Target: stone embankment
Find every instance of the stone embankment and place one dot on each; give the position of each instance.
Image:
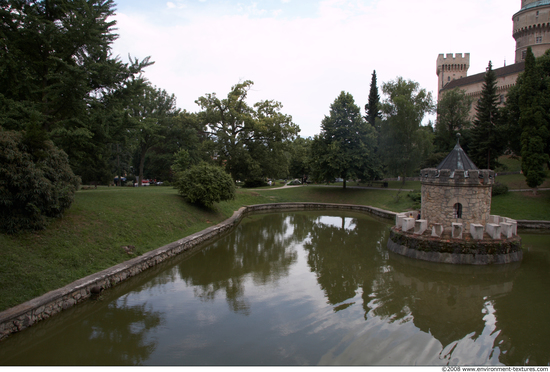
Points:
(25, 315)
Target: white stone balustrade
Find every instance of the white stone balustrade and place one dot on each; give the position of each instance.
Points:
(476, 230)
(493, 230)
(420, 226)
(506, 229)
(399, 219)
(457, 230)
(494, 219)
(514, 224)
(437, 230)
(408, 224)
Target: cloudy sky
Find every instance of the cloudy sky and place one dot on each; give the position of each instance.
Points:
(303, 53)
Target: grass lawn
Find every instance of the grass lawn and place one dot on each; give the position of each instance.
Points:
(90, 237)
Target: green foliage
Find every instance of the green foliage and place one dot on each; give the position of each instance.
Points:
(250, 141)
(58, 71)
(300, 150)
(534, 120)
(487, 141)
(205, 185)
(499, 189)
(36, 181)
(255, 182)
(404, 142)
(453, 116)
(345, 147)
(372, 108)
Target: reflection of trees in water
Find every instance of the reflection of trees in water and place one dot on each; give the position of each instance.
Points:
(112, 334)
(522, 315)
(343, 258)
(260, 248)
(450, 302)
(118, 337)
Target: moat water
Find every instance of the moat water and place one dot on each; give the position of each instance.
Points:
(306, 288)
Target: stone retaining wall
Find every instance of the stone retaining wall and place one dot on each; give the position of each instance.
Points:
(539, 225)
(455, 251)
(25, 315)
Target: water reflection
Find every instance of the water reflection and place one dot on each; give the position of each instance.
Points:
(264, 252)
(306, 288)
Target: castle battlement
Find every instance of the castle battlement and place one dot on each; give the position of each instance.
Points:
(446, 177)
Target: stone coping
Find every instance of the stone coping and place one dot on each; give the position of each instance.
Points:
(26, 314)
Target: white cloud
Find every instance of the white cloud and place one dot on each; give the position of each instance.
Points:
(305, 62)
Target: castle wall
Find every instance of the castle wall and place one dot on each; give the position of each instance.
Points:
(442, 190)
(531, 27)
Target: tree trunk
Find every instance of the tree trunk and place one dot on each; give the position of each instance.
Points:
(344, 182)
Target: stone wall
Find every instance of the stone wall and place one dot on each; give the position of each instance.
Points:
(25, 315)
(454, 251)
(441, 190)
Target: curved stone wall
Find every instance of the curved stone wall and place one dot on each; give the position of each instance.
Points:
(452, 251)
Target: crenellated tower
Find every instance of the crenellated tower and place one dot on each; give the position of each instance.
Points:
(451, 67)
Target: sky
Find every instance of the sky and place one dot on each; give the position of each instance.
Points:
(303, 53)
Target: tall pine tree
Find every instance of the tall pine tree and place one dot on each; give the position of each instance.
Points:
(372, 108)
(533, 120)
(487, 143)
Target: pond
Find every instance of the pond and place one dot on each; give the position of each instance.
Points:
(306, 288)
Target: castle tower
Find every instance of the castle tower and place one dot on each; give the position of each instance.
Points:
(457, 191)
(532, 28)
(451, 67)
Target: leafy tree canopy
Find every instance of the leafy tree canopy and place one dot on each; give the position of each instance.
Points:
(405, 143)
(250, 141)
(345, 146)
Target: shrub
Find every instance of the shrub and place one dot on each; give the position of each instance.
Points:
(205, 184)
(255, 182)
(416, 196)
(36, 182)
(295, 182)
(499, 189)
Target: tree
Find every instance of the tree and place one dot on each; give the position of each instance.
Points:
(372, 108)
(404, 141)
(148, 115)
(250, 141)
(181, 133)
(345, 146)
(299, 157)
(453, 116)
(58, 72)
(36, 181)
(487, 142)
(206, 184)
(534, 121)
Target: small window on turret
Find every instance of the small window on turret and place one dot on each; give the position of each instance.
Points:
(457, 210)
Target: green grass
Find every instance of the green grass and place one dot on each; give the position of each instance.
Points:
(90, 236)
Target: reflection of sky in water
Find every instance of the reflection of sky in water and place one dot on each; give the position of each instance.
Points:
(337, 222)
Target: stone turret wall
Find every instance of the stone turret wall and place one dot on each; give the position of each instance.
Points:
(442, 190)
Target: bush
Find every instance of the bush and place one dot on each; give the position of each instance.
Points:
(499, 189)
(295, 182)
(36, 182)
(416, 196)
(255, 182)
(205, 184)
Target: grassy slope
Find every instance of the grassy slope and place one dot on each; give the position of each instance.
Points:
(90, 236)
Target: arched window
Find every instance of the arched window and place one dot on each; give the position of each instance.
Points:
(457, 210)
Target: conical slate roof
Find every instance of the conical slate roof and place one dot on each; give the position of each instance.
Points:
(457, 159)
